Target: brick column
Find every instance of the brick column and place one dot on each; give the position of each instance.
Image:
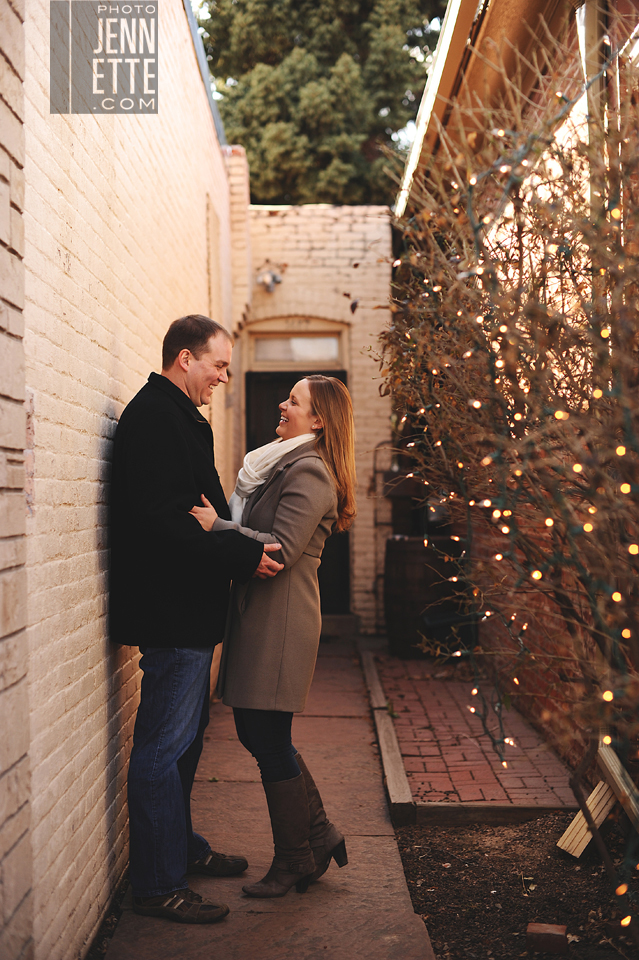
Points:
(15, 843)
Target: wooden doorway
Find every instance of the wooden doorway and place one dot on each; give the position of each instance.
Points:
(264, 392)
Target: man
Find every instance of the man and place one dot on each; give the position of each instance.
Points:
(169, 586)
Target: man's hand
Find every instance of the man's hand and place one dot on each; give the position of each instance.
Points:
(268, 567)
(206, 515)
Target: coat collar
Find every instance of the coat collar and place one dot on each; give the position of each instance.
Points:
(177, 395)
(299, 453)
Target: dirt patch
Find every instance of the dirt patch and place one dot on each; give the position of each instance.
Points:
(477, 887)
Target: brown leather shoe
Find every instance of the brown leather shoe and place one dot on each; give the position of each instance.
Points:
(183, 906)
(218, 865)
(327, 843)
(293, 864)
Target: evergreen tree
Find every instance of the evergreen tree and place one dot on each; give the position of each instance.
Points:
(314, 88)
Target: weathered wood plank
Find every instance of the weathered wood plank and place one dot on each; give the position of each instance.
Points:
(577, 836)
(375, 690)
(619, 779)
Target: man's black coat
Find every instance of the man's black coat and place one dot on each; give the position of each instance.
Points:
(169, 579)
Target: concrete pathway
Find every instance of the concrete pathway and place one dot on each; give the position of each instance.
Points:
(448, 757)
(362, 911)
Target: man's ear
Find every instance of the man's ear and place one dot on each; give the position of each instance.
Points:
(184, 359)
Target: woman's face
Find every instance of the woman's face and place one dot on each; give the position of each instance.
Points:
(296, 414)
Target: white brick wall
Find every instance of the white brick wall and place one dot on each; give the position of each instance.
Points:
(331, 257)
(15, 841)
(118, 237)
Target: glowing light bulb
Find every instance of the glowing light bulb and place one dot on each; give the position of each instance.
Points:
(476, 404)
(549, 522)
(508, 513)
(615, 213)
(597, 393)
(504, 764)
(626, 921)
(625, 488)
(605, 333)
(518, 416)
(499, 556)
(588, 528)
(486, 461)
(505, 530)
(496, 514)
(616, 596)
(536, 574)
(621, 889)
(471, 710)
(620, 451)
(473, 181)
(474, 692)
(608, 696)
(626, 634)
(518, 473)
(515, 680)
(607, 739)
(577, 467)
(592, 509)
(633, 548)
(397, 263)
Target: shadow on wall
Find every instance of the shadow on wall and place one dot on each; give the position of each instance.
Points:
(122, 681)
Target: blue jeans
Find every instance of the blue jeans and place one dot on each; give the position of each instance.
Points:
(267, 735)
(167, 743)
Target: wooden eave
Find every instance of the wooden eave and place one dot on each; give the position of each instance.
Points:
(466, 61)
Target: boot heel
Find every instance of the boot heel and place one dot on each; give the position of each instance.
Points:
(339, 854)
(302, 885)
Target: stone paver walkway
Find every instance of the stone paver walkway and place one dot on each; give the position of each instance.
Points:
(447, 755)
(362, 911)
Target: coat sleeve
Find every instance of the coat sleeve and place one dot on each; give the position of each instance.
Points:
(307, 495)
(221, 525)
(159, 482)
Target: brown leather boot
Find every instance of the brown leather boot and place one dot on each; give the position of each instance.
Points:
(293, 863)
(326, 841)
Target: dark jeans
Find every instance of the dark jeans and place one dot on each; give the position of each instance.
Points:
(167, 743)
(267, 735)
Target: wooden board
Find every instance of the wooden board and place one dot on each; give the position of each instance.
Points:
(376, 693)
(619, 779)
(577, 837)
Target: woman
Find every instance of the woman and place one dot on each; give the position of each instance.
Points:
(299, 489)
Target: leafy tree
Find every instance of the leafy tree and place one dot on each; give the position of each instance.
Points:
(313, 89)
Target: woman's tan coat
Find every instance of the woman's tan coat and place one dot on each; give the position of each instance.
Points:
(274, 625)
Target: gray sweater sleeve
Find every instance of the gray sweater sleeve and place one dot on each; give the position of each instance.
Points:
(221, 525)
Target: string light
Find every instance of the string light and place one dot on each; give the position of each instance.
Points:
(496, 514)
(397, 263)
(577, 467)
(518, 473)
(549, 522)
(592, 510)
(561, 415)
(536, 575)
(626, 634)
(474, 692)
(608, 696)
(515, 680)
(486, 461)
(626, 921)
(633, 548)
(605, 333)
(504, 764)
(616, 596)
(476, 404)
(518, 416)
(508, 513)
(471, 709)
(620, 451)
(625, 488)
(597, 393)
(588, 528)
(505, 529)
(499, 556)
(473, 181)
(607, 739)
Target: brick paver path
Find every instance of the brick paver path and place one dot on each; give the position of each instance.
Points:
(448, 756)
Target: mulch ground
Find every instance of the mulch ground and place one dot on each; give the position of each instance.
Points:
(477, 887)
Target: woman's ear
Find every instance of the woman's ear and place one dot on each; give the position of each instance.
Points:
(318, 425)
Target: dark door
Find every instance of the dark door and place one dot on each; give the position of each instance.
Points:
(264, 393)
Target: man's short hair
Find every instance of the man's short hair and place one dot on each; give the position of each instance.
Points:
(190, 333)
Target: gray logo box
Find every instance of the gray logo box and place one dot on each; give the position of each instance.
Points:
(104, 57)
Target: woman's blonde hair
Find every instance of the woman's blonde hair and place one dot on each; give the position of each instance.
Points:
(331, 402)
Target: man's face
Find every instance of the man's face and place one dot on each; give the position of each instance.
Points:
(201, 376)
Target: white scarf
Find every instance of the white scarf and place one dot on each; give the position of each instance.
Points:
(257, 466)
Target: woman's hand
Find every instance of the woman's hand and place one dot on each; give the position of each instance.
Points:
(206, 515)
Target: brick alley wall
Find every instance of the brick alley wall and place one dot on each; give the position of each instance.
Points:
(127, 228)
(332, 259)
(15, 840)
